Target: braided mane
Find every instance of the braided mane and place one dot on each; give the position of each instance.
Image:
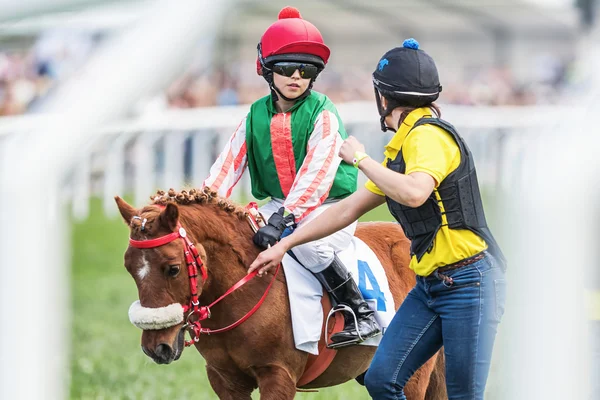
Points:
(204, 196)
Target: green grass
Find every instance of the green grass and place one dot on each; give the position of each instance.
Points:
(380, 213)
(106, 359)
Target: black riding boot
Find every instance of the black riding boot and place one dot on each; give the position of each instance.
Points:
(339, 283)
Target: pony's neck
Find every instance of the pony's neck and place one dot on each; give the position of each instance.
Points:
(227, 240)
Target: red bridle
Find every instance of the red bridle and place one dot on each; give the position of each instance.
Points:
(193, 261)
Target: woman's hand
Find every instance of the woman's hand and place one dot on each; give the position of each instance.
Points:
(349, 147)
(268, 259)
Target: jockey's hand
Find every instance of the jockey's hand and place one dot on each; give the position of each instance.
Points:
(349, 147)
(268, 259)
(270, 234)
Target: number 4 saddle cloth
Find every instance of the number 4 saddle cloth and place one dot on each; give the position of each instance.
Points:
(305, 293)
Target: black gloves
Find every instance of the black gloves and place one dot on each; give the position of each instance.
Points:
(271, 233)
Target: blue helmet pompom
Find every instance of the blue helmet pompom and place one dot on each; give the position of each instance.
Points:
(411, 44)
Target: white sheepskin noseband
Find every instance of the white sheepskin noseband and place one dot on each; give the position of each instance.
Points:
(147, 318)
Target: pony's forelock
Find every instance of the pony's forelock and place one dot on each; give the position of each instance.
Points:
(198, 196)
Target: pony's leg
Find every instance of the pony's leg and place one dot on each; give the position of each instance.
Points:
(274, 383)
(416, 387)
(230, 385)
(436, 390)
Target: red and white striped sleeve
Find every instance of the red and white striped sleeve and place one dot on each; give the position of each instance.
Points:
(315, 178)
(230, 165)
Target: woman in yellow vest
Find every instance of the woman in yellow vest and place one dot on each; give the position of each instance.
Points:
(429, 182)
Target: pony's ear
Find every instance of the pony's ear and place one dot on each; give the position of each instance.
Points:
(169, 216)
(127, 211)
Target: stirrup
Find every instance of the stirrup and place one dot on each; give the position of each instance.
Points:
(347, 343)
(342, 308)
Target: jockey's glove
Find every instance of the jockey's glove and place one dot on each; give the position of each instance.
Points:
(270, 234)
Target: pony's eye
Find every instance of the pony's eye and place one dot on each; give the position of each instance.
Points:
(173, 270)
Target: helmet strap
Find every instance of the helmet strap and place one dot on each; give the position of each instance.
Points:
(276, 93)
(384, 112)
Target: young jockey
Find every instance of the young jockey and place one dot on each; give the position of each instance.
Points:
(429, 182)
(290, 142)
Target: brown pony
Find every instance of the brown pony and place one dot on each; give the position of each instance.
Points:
(260, 352)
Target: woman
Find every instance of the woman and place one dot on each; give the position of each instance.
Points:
(289, 141)
(429, 183)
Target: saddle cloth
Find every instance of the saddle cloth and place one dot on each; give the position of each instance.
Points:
(305, 293)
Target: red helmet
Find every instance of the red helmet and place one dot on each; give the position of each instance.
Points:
(291, 38)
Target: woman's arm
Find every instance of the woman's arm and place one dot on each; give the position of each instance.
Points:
(333, 219)
(336, 217)
(412, 190)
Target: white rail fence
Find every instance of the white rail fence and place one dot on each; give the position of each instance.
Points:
(175, 148)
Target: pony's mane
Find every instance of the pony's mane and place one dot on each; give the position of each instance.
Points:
(204, 196)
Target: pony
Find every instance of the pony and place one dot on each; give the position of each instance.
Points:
(259, 351)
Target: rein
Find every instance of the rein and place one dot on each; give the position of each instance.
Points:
(195, 312)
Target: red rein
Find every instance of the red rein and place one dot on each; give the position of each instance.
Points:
(197, 313)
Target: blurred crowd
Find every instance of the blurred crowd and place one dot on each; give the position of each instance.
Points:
(482, 86)
(27, 76)
(20, 83)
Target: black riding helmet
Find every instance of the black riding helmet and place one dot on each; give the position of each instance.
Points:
(407, 77)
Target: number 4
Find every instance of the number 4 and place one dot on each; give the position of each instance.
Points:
(375, 293)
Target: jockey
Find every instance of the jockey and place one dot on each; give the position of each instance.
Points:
(290, 142)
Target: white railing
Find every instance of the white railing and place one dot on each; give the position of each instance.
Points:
(175, 148)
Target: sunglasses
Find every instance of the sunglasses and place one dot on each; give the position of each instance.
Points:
(307, 71)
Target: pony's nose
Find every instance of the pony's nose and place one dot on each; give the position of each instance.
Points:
(147, 352)
(164, 353)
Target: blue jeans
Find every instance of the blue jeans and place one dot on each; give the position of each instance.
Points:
(462, 316)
